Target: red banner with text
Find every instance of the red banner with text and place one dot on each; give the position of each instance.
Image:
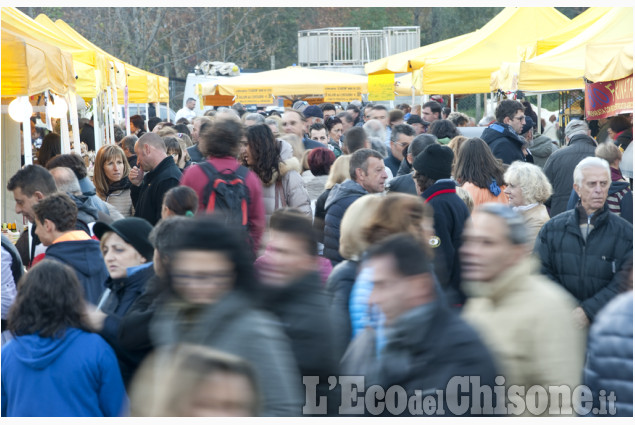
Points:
(608, 98)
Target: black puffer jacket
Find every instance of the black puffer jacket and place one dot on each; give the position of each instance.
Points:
(559, 170)
(340, 198)
(148, 197)
(588, 270)
(504, 142)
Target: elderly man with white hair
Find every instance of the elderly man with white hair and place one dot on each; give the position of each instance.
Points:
(586, 249)
(559, 167)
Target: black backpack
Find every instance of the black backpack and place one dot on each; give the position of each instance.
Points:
(226, 193)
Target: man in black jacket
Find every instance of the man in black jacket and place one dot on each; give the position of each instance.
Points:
(503, 135)
(428, 347)
(158, 174)
(585, 249)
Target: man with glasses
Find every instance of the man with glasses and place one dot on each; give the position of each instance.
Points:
(400, 139)
(503, 136)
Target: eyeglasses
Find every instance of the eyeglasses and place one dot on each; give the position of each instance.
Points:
(519, 118)
(218, 279)
(402, 144)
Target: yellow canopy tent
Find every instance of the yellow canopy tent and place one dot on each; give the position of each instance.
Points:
(608, 61)
(164, 89)
(30, 67)
(506, 77)
(143, 87)
(290, 81)
(562, 68)
(400, 62)
(564, 34)
(85, 61)
(467, 67)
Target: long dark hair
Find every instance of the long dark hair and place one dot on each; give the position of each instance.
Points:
(49, 301)
(476, 164)
(265, 151)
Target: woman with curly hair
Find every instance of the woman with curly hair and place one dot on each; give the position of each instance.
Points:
(282, 185)
(480, 173)
(527, 189)
(110, 177)
(445, 130)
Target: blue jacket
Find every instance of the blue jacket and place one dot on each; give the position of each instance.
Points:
(450, 213)
(76, 375)
(504, 142)
(85, 258)
(341, 197)
(393, 163)
(402, 184)
(609, 364)
(123, 294)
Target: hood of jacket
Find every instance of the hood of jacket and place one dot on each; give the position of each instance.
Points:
(618, 186)
(83, 256)
(86, 209)
(541, 146)
(498, 130)
(344, 190)
(38, 353)
(285, 166)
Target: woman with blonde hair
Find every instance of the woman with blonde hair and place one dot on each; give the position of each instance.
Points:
(527, 189)
(110, 177)
(337, 174)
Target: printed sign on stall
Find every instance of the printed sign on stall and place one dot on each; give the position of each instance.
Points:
(253, 96)
(342, 94)
(608, 98)
(381, 87)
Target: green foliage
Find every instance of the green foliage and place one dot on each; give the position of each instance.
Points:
(373, 18)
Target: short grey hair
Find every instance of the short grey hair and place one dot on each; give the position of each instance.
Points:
(518, 234)
(255, 116)
(590, 162)
(576, 127)
(421, 142)
(66, 180)
(375, 129)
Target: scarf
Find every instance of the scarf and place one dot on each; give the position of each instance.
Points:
(122, 184)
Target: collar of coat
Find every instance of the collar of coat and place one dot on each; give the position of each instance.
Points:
(510, 280)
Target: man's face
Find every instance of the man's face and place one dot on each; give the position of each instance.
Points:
(320, 136)
(374, 179)
(191, 104)
(346, 125)
(142, 152)
(293, 124)
(390, 289)
(397, 147)
(202, 277)
(487, 251)
(428, 115)
(327, 114)
(419, 128)
(24, 204)
(594, 188)
(379, 115)
(289, 258)
(517, 122)
(43, 232)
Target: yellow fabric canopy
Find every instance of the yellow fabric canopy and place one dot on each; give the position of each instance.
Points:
(290, 81)
(562, 68)
(608, 61)
(564, 34)
(400, 62)
(30, 67)
(506, 77)
(405, 84)
(164, 89)
(467, 67)
(85, 61)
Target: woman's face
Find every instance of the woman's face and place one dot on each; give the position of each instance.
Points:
(249, 159)
(119, 255)
(336, 132)
(113, 168)
(202, 277)
(515, 195)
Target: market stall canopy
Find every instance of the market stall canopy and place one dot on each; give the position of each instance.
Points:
(564, 34)
(29, 67)
(290, 81)
(164, 89)
(86, 62)
(506, 77)
(467, 67)
(562, 68)
(400, 62)
(405, 83)
(608, 61)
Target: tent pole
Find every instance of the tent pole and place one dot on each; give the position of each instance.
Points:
(451, 103)
(97, 122)
(47, 103)
(26, 134)
(72, 108)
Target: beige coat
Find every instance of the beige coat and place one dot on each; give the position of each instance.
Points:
(535, 218)
(122, 202)
(292, 189)
(525, 319)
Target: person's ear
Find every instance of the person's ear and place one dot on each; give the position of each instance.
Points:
(49, 226)
(38, 195)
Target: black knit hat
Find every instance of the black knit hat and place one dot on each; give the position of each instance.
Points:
(435, 162)
(132, 230)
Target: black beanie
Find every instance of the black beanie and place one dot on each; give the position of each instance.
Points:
(132, 230)
(435, 162)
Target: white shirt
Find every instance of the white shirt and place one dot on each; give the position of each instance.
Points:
(185, 113)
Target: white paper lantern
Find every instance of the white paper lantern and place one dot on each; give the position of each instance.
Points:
(20, 109)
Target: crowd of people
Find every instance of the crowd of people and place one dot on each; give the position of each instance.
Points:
(251, 264)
